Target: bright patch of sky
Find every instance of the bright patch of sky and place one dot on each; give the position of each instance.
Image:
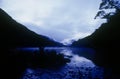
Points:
(61, 20)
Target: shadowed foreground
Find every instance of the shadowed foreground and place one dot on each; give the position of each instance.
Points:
(16, 62)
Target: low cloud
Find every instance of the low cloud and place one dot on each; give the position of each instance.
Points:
(59, 19)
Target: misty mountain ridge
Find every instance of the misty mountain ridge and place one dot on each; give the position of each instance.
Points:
(14, 34)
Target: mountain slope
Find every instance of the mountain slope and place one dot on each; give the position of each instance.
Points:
(107, 35)
(105, 41)
(14, 34)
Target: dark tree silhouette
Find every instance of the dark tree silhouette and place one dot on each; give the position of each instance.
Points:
(106, 40)
(108, 4)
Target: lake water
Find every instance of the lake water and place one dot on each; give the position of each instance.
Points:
(80, 66)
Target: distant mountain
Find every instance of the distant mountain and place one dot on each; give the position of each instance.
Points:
(106, 41)
(14, 34)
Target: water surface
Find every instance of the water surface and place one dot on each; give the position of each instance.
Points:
(80, 67)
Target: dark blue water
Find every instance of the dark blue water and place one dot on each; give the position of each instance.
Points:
(80, 66)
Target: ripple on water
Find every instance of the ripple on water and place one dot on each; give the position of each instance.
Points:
(78, 68)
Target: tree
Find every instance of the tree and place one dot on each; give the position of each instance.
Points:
(105, 5)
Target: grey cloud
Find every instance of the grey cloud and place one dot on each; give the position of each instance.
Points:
(58, 19)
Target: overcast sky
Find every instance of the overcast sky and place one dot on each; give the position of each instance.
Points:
(61, 20)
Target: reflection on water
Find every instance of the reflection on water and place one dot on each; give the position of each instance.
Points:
(79, 67)
(29, 49)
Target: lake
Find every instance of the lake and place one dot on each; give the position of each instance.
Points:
(80, 66)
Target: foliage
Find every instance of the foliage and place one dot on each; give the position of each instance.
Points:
(105, 5)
